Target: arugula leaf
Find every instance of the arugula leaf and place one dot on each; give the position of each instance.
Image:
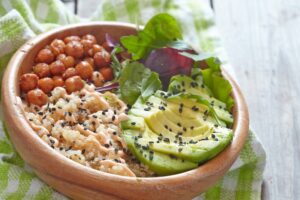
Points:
(115, 64)
(213, 79)
(158, 32)
(137, 80)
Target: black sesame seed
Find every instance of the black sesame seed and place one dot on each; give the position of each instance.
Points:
(31, 120)
(94, 116)
(115, 133)
(85, 128)
(106, 145)
(181, 105)
(40, 113)
(48, 135)
(167, 140)
(147, 109)
(133, 123)
(166, 126)
(59, 107)
(61, 148)
(180, 110)
(161, 108)
(113, 118)
(180, 149)
(192, 127)
(194, 108)
(184, 129)
(115, 112)
(213, 136)
(83, 151)
(182, 83)
(178, 124)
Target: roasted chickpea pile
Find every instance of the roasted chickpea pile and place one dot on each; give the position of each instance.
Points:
(70, 63)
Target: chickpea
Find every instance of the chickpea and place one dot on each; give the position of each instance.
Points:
(28, 82)
(61, 56)
(44, 56)
(90, 61)
(90, 37)
(96, 48)
(69, 61)
(71, 38)
(42, 70)
(102, 58)
(74, 83)
(87, 45)
(106, 47)
(84, 70)
(57, 67)
(37, 97)
(58, 81)
(75, 49)
(107, 73)
(69, 73)
(46, 84)
(98, 79)
(57, 46)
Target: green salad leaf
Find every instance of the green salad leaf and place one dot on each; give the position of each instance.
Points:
(158, 32)
(136, 80)
(213, 79)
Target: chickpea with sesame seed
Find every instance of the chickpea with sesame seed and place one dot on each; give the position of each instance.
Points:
(98, 79)
(37, 97)
(46, 84)
(28, 82)
(44, 56)
(74, 84)
(42, 70)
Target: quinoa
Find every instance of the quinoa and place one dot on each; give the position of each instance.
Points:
(84, 126)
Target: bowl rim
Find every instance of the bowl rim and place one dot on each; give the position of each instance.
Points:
(209, 168)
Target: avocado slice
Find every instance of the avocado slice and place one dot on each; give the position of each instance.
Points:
(188, 85)
(160, 163)
(171, 133)
(193, 150)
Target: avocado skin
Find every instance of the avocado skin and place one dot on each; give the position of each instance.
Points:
(159, 163)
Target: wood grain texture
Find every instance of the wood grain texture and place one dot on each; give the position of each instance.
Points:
(262, 38)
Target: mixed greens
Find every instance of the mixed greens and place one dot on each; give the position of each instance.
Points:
(180, 103)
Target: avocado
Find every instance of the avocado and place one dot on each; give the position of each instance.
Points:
(175, 131)
(160, 163)
(185, 84)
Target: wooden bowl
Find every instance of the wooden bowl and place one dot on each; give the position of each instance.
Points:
(80, 182)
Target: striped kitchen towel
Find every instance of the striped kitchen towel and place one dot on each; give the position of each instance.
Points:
(21, 20)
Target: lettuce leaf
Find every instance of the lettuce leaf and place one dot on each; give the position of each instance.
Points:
(136, 80)
(213, 79)
(158, 32)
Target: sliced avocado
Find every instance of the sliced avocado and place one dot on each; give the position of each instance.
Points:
(188, 85)
(134, 122)
(159, 163)
(193, 150)
(172, 133)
